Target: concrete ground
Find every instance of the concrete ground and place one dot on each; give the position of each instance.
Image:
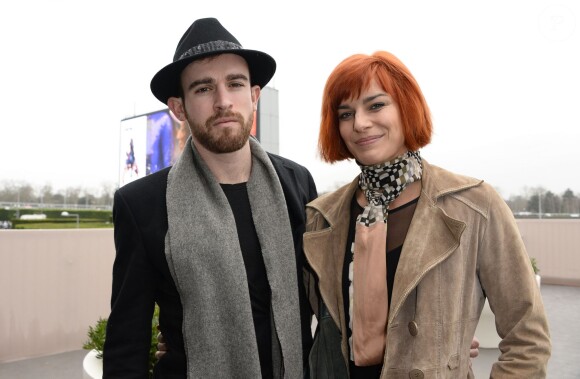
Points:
(59, 366)
(562, 306)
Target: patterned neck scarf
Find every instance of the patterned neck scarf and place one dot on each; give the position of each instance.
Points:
(381, 184)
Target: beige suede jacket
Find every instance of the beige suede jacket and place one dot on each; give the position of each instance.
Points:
(463, 244)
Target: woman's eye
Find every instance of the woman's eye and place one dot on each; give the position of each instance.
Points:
(344, 116)
(377, 106)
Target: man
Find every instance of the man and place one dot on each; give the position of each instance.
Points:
(216, 240)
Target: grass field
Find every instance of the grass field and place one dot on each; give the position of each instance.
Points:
(64, 225)
(38, 218)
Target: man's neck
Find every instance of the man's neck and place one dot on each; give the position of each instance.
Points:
(228, 168)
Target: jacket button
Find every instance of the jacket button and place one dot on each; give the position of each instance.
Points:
(416, 374)
(413, 328)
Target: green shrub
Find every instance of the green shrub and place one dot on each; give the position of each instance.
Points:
(534, 265)
(97, 335)
(96, 339)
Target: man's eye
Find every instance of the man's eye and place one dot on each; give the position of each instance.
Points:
(202, 90)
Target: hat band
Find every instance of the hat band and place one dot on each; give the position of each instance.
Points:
(209, 47)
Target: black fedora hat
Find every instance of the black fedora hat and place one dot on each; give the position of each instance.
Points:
(206, 37)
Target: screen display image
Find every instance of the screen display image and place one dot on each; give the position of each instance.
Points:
(149, 143)
(153, 141)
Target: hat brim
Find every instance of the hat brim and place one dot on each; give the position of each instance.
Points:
(166, 82)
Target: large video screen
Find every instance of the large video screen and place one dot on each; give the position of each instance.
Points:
(151, 142)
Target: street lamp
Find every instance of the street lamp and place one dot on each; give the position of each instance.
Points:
(540, 193)
(66, 214)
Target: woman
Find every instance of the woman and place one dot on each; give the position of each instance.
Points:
(403, 257)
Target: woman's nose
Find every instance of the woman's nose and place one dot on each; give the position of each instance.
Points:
(361, 122)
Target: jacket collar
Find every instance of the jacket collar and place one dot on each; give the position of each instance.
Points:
(435, 183)
(431, 238)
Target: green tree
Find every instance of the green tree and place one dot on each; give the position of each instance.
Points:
(550, 203)
(570, 202)
(518, 203)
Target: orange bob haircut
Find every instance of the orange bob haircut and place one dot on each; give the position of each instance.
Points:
(350, 78)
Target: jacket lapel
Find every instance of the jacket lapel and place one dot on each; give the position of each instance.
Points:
(431, 238)
(294, 203)
(325, 247)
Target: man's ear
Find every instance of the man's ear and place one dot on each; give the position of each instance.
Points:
(255, 96)
(176, 106)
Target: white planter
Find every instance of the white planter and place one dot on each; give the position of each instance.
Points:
(92, 366)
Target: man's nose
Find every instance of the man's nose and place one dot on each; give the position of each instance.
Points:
(223, 99)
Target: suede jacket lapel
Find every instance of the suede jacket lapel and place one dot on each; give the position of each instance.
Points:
(325, 244)
(432, 237)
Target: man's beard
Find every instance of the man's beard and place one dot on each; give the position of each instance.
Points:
(222, 140)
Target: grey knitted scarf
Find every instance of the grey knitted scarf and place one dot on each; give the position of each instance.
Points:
(205, 259)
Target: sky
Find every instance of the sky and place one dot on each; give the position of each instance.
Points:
(501, 78)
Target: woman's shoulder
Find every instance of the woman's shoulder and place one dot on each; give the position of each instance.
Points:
(439, 182)
(331, 206)
(328, 198)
